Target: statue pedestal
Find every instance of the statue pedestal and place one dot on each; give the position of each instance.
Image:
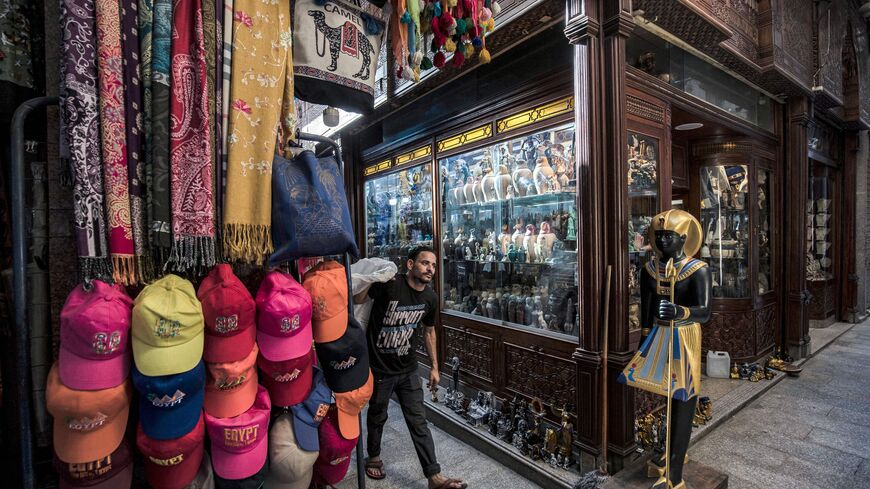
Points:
(696, 475)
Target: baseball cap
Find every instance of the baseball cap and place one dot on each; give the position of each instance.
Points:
(204, 477)
(334, 458)
(232, 386)
(284, 317)
(345, 361)
(114, 471)
(238, 444)
(172, 464)
(291, 467)
(88, 425)
(255, 481)
(170, 405)
(327, 285)
(349, 405)
(288, 382)
(308, 414)
(230, 316)
(167, 327)
(94, 337)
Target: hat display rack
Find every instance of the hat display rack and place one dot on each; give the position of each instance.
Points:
(22, 411)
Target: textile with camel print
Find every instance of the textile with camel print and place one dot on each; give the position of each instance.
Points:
(113, 140)
(81, 127)
(262, 113)
(335, 52)
(191, 152)
(311, 216)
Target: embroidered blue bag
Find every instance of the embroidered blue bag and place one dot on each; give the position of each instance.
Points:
(310, 216)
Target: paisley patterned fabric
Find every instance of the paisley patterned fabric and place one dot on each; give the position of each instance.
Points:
(261, 102)
(190, 141)
(146, 21)
(113, 133)
(80, 112)
(160, 227)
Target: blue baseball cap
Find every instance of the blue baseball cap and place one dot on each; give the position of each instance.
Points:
(308, 414)
(170, 405)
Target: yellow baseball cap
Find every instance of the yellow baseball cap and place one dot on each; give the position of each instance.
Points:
(167, 327)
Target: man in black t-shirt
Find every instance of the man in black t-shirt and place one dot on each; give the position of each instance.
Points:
(400, 305)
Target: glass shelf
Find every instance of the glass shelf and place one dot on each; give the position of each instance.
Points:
(516, 200)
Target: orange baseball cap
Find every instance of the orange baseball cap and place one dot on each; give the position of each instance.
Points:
(231, 387)
(327, 285)
(88, 425)
(350, 404)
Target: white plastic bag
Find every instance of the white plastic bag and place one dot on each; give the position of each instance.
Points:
(363, 274)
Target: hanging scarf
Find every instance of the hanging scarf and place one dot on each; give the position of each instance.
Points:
(225, 66)
(146, 20)
(190, 142)
(262, 79)
(161, 206)
(82, 132)
(133, 126)
(209, 41)
(113, 132)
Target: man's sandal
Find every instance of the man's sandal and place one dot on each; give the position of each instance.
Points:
(375, 464)
(450, 482)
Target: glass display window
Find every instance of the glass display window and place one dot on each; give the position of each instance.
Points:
(643, 192)
(399, 213)
(819, 223)
(725, 221)
(509, 233)
(765, 218)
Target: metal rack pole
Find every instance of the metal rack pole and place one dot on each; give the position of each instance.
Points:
(360, 469)
(19, 289)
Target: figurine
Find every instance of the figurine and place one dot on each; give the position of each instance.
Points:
(529, 241)
(469, 189)
(566, 439)
(523, 181)
(488, 181)
(521, 255)
(517, 237)
(544, 176)
(546, 240)
(676, 237)
(504, 239)
(503, 180)
(527, 313)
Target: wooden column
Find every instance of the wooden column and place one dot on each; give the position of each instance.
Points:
(848, 286)
(796, 174)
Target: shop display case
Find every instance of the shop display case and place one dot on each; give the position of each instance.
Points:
(508, 233)
(398, 213)
(643, 197)
(820, 241)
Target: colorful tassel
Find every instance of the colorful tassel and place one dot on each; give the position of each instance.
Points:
(439, 60)
(484, 56)
(449, 45)
(458, 59)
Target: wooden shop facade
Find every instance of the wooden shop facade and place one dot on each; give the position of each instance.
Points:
(534, 175)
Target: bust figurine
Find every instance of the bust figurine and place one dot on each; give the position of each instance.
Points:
(519, 234)
(529, 241)
(676, 237)
(546, 240)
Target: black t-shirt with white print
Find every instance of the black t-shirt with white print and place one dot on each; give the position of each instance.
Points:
(396, 312)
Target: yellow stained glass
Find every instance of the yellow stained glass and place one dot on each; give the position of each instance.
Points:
(414, 155)
(464, 138)
(536, 114)
(371, 170)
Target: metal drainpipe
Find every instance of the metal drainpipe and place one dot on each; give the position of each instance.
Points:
(22, 372)
(39, 303)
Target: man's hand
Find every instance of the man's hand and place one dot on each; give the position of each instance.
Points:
(434, 378)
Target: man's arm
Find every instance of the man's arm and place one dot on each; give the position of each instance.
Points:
(432, 350)
(361, 298)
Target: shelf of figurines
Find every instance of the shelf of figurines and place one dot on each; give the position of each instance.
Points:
(549, 198)
(635, 194)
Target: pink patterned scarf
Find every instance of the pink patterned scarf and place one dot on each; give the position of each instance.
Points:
(113, 134)
(191, 152)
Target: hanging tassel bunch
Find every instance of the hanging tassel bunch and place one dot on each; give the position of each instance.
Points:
(457, 28)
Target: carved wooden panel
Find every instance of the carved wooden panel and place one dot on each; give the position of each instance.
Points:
(792, 38)
(475, 351)
(765, 323)
(643, 109)
(861, 38)
(733, 332)
(536, 374)
(742, 17)
(832, 34)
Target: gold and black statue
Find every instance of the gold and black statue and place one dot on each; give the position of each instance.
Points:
(676, 291)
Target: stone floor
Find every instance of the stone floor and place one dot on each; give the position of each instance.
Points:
(810, 432)
(456, 458)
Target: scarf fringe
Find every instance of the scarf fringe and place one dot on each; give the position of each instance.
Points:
(124, 269)
(145, 267)
(248, 243)
(91, 268)
(191, 252)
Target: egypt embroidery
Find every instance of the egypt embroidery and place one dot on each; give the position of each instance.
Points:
(287, 377)
(225, 324)
(86, 423)
(227, 384)
(166, 400)
(168, 462)
(289, 324)
(344, 364)
(105, 343)
(239, 437)
(322, 410)
(167, 328)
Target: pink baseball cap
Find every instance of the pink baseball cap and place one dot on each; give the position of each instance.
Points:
(334, 458)
(230, 315)
(95, 337)
(284, 317)
(288, 382)
(231, 387)
(239, 444)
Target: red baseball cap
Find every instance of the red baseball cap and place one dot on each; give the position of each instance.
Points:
(230, 315)
(172, 464)
(350, 404)
(95, 337)
(230, 388)
(284, 317)
(288, 382)
(239, 445)
(114, 471)
(327, 285)
(335, 450)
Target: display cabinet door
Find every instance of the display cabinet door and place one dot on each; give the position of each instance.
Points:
(643, 180)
